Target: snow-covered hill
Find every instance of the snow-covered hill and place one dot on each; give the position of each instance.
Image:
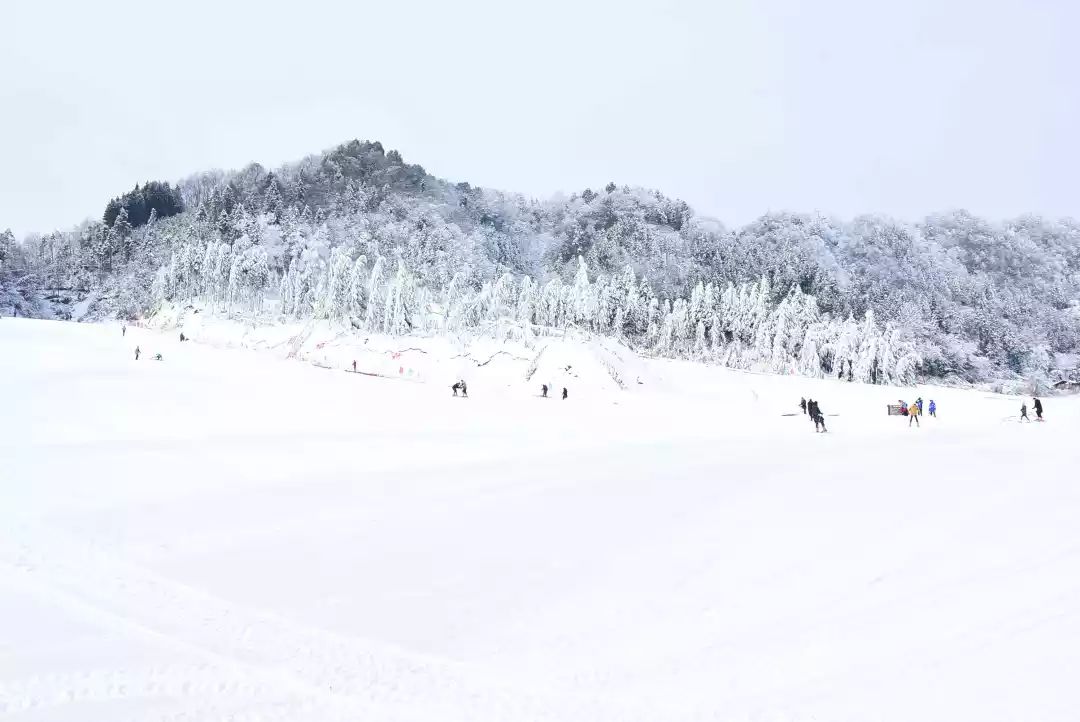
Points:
(227, 534)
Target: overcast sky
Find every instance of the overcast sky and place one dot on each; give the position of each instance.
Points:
(739, 107)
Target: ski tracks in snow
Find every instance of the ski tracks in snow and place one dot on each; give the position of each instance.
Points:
(250, 664)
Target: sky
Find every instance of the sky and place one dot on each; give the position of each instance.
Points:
(740, 107)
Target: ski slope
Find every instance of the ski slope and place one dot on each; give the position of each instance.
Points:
(228, 535)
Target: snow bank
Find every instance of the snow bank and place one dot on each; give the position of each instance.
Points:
(584, 364)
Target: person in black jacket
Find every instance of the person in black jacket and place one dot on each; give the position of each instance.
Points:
(819, 418)
(544, 390)
(564, 393)
(1038, 410)
(802, 405)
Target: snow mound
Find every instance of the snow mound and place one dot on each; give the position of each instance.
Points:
(584, 364)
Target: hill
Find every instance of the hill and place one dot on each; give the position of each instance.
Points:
(360, 237)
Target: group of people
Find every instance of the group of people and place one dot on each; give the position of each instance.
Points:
(813, 410)
(915, 410)
(1038, 410)
(138, 352)
(464, 388)
(544, 391)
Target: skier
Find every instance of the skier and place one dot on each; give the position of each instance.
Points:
(933, 408)
(182, 337)
(1038, 410)
(918, 402)
(544, 390)
(819, 419)
(455, 387)
(802, 405)
(913, 412)
(137, 352)
(157, 357)
(354, 366)
(464, 388)
(564, 393)
(1023, 412)
(123, 331)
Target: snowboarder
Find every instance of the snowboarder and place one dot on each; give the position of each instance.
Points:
(1038, 410)
(913, 414)
(802, 405)
(354, 366)
(1023, 412)
(564, 393)
(933, 408)
(137, 352)
(544, 390)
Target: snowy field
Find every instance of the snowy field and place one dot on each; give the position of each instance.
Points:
(228, 535)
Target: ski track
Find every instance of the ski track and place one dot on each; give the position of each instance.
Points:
(259, 654)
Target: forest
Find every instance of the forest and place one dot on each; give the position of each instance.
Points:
(359, 237)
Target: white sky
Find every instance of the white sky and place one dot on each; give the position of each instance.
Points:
(739, 107)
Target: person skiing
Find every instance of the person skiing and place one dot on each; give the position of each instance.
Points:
(182, 337)
(1038, 410)
(464, 388)
(918, 402)
(1023, 412)
(564, 393)
(933, 408)
(354, 366)
(123, 331)
(913, 414)
(137, 352)
(819, 419)
(456, 387)
(802, 405)
(544, 390)
(157, 357)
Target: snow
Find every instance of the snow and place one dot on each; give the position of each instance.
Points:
(228, 534)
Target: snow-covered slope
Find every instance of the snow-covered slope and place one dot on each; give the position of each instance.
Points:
(587, 363)
(230, 535)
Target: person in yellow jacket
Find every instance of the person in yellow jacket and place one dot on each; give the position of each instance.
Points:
(913, 414)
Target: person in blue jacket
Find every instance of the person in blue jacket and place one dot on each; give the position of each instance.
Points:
(933, 408)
